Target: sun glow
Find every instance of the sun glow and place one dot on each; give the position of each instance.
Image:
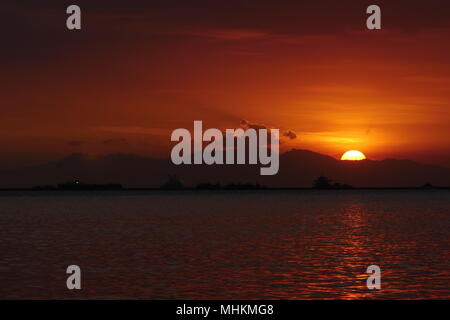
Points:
(353, 155)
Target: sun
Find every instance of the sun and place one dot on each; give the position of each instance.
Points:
(353, 155)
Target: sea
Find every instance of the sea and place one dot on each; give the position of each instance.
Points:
(225, 244)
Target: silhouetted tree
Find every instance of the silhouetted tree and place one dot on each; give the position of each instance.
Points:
(78, 185)
(47, 187)
(338, 185)
(243, 186)
(173, 183)
(427, 185)
(322, 183)
(209, 186)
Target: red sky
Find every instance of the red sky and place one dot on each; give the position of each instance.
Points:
(140, 69)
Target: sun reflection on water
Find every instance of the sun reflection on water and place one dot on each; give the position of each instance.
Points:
(247, 245)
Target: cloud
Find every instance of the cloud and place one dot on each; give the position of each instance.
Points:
(133, 130)
(109, 141)
(230, 34)
(250, 125)
(290, 134)
(429, 79)
(75, 143)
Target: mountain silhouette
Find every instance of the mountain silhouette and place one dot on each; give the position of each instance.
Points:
(298, 168)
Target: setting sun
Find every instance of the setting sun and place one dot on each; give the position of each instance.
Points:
(353, 155)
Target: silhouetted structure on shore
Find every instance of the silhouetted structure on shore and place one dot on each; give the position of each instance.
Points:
(231, 186)
(44, 188)
(173, 183)
(78, 185)
(209, 186)
(427, 185)
(244, 186)
(323, 182)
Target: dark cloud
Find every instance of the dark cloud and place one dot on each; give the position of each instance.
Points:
(110, 141)
(286, 16)
(35, 30)
(249, 125)
(290, 134)
(75, 143)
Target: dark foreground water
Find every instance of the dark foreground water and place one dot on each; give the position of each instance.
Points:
(225, 245)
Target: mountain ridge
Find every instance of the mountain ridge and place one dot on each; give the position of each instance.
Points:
(298, 168)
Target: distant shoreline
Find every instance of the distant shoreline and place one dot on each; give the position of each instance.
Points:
(223, 189)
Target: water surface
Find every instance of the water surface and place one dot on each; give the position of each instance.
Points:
(225, 244)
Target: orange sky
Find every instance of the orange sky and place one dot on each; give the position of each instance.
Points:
(134, 73)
